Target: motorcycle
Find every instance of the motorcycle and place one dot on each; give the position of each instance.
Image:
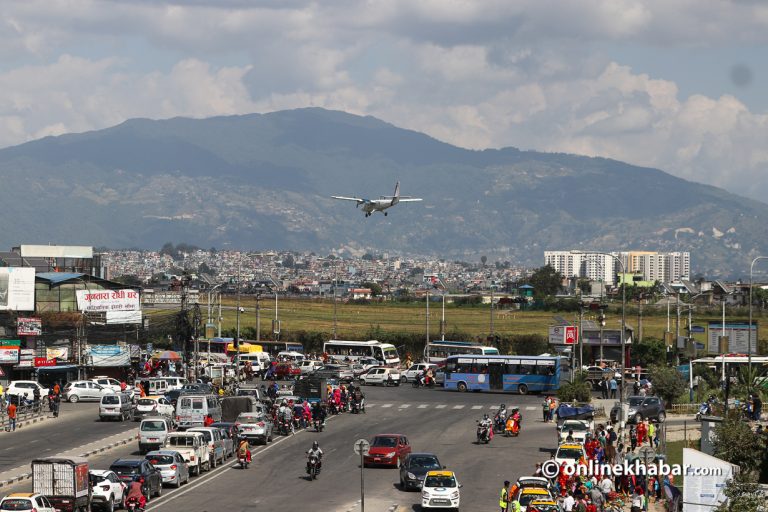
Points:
(319, 425)
(512, 427)
(355, 407)
(499, 422)
(285, 427)
(242, 458)
(704, 410)
(133, 505)
(483, 433)
(313, 467)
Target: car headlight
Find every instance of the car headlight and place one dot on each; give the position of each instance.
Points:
(632, 410)
(389, 455)
(411, 476)
(455, 495)
(425, 495)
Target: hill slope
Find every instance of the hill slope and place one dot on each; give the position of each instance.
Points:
(264, 181)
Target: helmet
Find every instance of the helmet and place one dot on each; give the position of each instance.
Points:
(315, 445)
(485, 416)
(503, 406)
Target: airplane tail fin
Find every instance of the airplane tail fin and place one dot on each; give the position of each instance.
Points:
(396, 195)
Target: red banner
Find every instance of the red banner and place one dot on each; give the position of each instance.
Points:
(42, 361)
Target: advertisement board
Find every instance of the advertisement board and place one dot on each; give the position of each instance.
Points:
(563, 335)
(29, 327)
(704, 493)
(17, 289)
(60, 353)
(108, 355)
(42, 361)
(738, 337)
(9, 355)
(108, 300)
(123, 317)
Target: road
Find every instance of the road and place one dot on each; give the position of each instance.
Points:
(436, 421)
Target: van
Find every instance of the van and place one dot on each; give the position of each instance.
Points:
(154, 386)
(258, 360)
(117, 406)
(214, 439)
(153, 431)
(191, 410)
(191, 446)
(175, 382)
(286, 355)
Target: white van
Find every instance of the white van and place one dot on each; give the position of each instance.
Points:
(153, 432)
(294, 357)
(258, 360)
(117, 406)
(191, 410)
(175, 382)
(154, 386)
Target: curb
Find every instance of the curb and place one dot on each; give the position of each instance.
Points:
(20, 424)
(110, 446)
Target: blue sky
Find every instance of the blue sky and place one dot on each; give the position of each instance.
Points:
(675, 84)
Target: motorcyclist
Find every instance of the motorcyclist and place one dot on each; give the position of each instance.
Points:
(359, 398)
(316, 452)
(36, 398)
(487, 423)
(501, 417)
(136, 491)
(244, 449)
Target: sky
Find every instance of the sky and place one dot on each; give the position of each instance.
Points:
(676, 84)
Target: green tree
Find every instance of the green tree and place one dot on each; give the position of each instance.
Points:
(374, 287)
(203, 268)
(484, 259)
(736, 443)
(128, 280)
(668, 383)
(743, 495)
(546, 281)
(580, 390)
(649, 352)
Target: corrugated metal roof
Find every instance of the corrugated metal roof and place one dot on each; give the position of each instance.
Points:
(58, 277)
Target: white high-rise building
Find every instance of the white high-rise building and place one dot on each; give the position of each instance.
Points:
(664, 267)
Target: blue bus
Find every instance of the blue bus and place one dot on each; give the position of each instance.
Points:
(512, 374)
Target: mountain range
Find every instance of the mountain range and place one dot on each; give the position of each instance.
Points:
(264, 181)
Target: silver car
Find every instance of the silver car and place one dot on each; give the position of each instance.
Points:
(173, 469)
(85, 390)
(255, 426)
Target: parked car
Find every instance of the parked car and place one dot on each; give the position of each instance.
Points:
(570, 454)
(387, 450)
(108, 491)
(173, 469)
(415, 467)
(246, 391)
(153, 405)
(108, 382)
(440, 490)
(642, 408)
(26, 502)
(25, 388)
(153, 432)
(380, 375)
(527, 495)
(287, 371)
(340, 372)
(117, 406)
(306, 367)
(129, 470)
(415, 370)
(194, 449)
(229, 435)
(255, 426)
(78, 390)
(212, 437)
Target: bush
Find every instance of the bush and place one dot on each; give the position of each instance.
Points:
(580, 390)
(667, 382)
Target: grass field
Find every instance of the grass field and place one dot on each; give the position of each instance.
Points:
(354, 321)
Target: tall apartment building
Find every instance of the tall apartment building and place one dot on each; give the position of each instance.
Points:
(664, 267)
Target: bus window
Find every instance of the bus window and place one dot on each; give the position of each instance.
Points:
(527, 369)
(512, 368)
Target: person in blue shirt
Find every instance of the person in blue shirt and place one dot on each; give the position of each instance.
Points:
(614, 386)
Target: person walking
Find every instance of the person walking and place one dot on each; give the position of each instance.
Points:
(614, 386)
(11, 417)
(504, 496)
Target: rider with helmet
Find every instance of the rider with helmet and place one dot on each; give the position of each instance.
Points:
(487, 423)
(244, 449)
(136, 492)
(315, 451)
(500, 418)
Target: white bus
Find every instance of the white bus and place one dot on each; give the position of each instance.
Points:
(351, 351)
(439, 351)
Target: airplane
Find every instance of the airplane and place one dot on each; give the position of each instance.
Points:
(380, 204)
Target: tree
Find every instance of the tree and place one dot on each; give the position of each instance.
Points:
(668, 383)
(483, 259)
(736, 443)
(374, 287)
(288, 261)
(128, 280)
(367, 257)
(203, 268)
(580, 390)
(743, 495)
(649, 352)
(545, 281)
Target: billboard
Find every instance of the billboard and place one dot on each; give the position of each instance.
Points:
(123, 317)
(109, 355)
(29, 327)
(563, 335)
(738, 337)
(704, 493)
(9, 354)
(60, 353)
(108, 300)
(17, 289)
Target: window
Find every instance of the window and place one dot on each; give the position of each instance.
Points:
(153, 426)
(16, 504)
(527, 369)
(81, 385)
(161, 460)
(512, 368)
(440, 481)
(110, 400)
(386, 442)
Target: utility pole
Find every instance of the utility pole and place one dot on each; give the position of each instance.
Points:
(334, 302)
(183, 329)
(491, 309)
(427, 322)
(196, 326)
(258, 317)
(677, 331)
(237, 336)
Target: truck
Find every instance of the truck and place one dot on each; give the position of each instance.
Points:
(64, 481)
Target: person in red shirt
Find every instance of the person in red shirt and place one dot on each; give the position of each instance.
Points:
(208, 421)
(12, 417)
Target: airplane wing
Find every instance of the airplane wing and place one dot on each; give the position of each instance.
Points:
(409, 199)
(358, 200)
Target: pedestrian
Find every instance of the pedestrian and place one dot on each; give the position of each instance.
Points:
(651, 432)
(545, 409)
(12, 416)
(633, 438)
(638, 500)
(597, 498)
(552, 406)
(504, 496)
(614, 386)
(569, 502)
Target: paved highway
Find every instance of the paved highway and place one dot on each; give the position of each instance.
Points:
(434, 420)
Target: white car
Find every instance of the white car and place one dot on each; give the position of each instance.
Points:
(26, 388)
(570, 453)
(308, 367)
(440, 490)
(415, 370)
(85, 390)
(580, 429)
(26, 502)
(108, 382)
(153, 405)
(383, 376)
(108, 491)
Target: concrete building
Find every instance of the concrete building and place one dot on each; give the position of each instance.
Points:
(664, 267)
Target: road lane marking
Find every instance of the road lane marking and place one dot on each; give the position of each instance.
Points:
(458, 406)
(384, 406)
(423, 406)
(440, 406)
(476, 407)
(494, 407)
(531, 408)
(404, 406)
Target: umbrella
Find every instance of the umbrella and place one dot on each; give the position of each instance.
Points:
(167, 355)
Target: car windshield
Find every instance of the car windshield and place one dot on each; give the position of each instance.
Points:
(110, 400)
(97, 478)
(385, 442)
(569, 453)
(424, 462)
(146, 401)
(206, 435)
(181, 441)
(152, 426)
(440, 481)
(580, 427)
(16, 504)
(125, 470)
(160, 460)
(635, 401)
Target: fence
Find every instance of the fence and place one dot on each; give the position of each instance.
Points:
(684, 409)
(24, 413)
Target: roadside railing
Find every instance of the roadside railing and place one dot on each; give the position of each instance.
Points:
(684, 409)
(23, 413)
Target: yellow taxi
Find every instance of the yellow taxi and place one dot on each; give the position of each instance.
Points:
(538, 505)
(570, 453)
(529, 494)
(440, 490)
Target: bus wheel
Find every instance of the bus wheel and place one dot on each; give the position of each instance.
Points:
(522, 389)
(462, 387)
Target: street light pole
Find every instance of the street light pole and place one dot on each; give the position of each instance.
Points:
(335, 280)
(749, 327)
(491, 309)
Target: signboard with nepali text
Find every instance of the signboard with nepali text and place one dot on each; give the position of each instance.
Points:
(108, 300)
(563, 335)
(29, 327)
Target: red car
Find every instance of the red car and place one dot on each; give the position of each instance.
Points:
(287, 371)
(387, 450)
